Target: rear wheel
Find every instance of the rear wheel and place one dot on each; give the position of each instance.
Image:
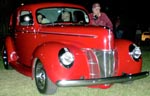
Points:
(43, 83)
(5, 59)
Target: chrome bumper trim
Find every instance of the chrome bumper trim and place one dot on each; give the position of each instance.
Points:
(108, 80)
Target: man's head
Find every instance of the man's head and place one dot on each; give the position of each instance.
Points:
(96, 8)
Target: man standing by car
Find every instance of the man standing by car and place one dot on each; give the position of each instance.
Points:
(99, 18)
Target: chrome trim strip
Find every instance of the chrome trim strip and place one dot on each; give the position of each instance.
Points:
(70, 34)
(108, 80)
(60, 33)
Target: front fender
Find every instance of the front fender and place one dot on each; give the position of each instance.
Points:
(126, 64)
(48, 54)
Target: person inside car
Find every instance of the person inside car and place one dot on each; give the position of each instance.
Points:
(42, 19)
(64, 17)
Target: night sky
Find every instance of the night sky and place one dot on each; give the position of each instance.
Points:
(135, 10)
(131, 12)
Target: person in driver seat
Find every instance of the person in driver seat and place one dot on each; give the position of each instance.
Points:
(64, 17)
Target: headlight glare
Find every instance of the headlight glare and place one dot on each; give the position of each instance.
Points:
(134, 51)
(66, 57)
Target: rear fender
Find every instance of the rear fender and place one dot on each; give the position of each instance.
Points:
(10, 48)
(48, 55)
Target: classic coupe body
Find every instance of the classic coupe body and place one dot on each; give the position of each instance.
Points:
(65, 54)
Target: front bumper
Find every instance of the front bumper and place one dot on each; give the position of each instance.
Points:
(108, 80)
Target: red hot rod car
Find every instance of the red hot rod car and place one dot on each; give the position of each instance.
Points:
(66, 53)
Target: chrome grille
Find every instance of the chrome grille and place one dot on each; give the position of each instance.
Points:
(93, 64)
(102, 64)
(107, 61)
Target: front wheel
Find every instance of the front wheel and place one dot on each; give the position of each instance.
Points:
(43, 83)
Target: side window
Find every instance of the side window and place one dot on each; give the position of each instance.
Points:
(26, 18)
(80, 16)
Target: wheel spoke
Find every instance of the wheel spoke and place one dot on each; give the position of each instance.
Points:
(43, 83)
(40, 76)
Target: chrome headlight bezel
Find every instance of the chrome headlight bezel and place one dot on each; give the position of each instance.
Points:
(135, 52)
(66, 58)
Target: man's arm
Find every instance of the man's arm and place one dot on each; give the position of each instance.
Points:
(108, 22)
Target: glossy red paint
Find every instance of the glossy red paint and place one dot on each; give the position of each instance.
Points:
(126, 64)
(48, 54)
(44, 42)
(10, 48)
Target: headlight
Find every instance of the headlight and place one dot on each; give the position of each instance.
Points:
(66, 58)
(134, 51)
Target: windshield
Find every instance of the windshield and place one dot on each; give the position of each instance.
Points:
(61, 15)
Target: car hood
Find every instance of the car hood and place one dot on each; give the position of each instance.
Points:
(86, 34)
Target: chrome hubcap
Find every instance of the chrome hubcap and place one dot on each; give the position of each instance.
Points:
(40, 76)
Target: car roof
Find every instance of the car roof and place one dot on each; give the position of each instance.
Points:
(36, 6)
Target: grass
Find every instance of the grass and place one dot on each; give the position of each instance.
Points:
(13, 83)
